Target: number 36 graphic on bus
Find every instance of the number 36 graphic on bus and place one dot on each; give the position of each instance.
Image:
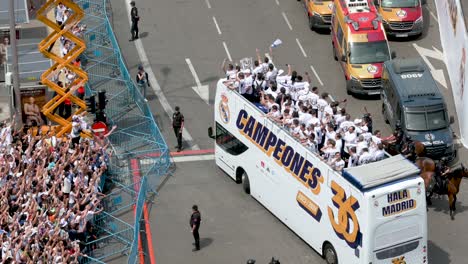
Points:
(347, 218)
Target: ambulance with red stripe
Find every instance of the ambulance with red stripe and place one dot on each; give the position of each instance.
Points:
(360, 45)
(401, 18)
(319, 13)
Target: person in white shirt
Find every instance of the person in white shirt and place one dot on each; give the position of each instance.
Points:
(365, 157)
(350, 137)
(377, 137)
(304, 116)
(295, 127)
(329, 150)
(272, 89)
(321, 104)
(59, 13)
(274, 113)
(378, 154)
(271, 73)
(353, 158)
(336, 162)
(361, 144)
(260, 84)
(257, 68)
(266, 60)
(311, 143)
(330, 133)
(344, 125)
(230, 72)
(357, 125)
(287, 117)
(340, 117)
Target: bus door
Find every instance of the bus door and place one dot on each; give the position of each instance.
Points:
(223, 157)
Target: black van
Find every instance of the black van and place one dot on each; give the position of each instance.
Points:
(412, 99)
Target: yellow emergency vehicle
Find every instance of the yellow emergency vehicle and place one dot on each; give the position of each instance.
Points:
(360, 45)
(319, 13)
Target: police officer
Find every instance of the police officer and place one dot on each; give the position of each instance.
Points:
(442, 170)
(409, 149)
(195, 220)
(178, 125)
(135, 20)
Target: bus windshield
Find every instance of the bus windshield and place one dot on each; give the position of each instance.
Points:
(399, 3)
(423, 121)
(368, 52)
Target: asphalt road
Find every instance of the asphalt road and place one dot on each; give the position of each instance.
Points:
(206, 32)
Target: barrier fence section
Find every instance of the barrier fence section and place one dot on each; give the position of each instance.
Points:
(135, 141)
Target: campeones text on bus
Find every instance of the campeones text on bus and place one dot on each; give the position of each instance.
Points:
(293, 162)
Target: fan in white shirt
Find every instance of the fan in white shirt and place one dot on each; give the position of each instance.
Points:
(365, 157)
(350, 137)
(361, 144)
(304, 116)
(321, 104)
(379, 153)
(344, 125)
(274, 113)
(336, 162)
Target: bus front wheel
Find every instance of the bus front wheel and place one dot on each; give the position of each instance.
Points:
(329, 254)
(245, 183)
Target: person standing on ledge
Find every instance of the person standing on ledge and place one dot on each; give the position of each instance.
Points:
(135, 20)
(195, 220)
(178, 125)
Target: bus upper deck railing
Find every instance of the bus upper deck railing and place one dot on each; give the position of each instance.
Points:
(283, 128)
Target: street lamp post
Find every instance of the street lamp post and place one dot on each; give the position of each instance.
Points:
(15, 70)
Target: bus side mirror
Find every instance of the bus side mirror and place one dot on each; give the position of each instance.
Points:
(210, 133)
(452, 120)
(393, 55)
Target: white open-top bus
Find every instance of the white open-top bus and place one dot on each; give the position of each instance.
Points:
(370, 214)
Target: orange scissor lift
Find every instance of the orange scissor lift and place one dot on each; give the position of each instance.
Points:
(62, 93)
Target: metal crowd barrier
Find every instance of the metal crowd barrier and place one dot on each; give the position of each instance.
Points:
(140, 154)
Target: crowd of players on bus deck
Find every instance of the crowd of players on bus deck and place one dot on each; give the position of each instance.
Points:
(310, 115)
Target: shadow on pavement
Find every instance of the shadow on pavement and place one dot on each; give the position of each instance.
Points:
(205, 242)
(437, 254)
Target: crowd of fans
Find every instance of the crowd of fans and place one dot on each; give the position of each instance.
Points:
(49, 192)
(311, 116)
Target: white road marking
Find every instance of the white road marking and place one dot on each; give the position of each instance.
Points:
(438, 74)
(331, 98)
(277, 2)
(202, 90)
(155, 85)
(208, 3)
(432, 14)
(316, 75)
(217, 26)
(227, 51)
(287, 21)
(300, 47)
(182, 159)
